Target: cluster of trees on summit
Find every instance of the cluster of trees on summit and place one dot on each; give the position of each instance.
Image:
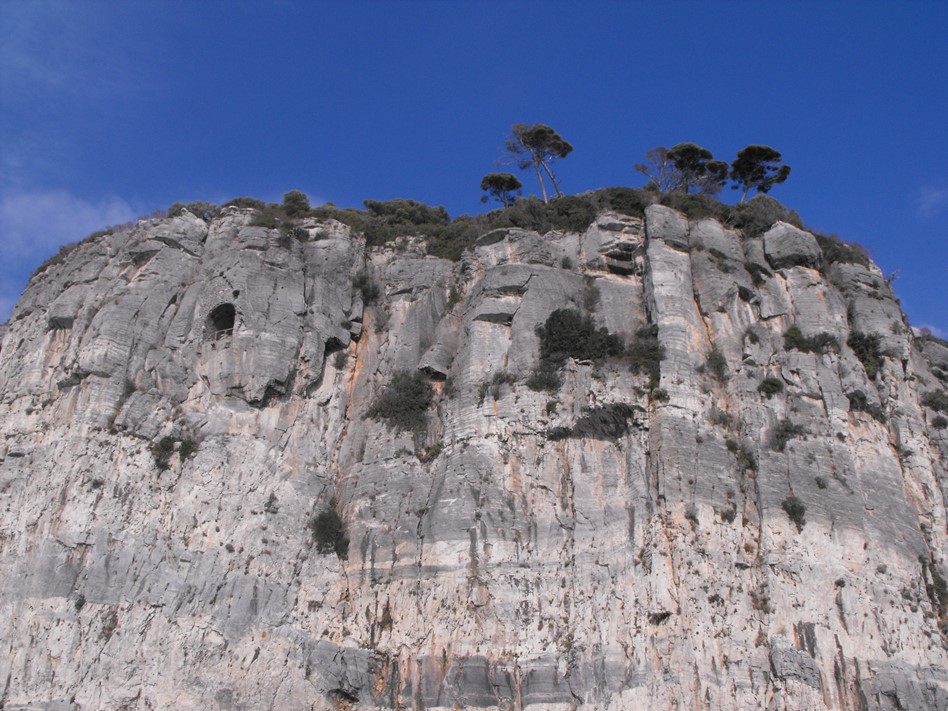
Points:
(685, 177)
(684, 168)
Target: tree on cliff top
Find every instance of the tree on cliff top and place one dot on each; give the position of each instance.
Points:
(698, 170)
(537, 145)
(295, 203)
(659, 170)
(758, 167)
(502, 187)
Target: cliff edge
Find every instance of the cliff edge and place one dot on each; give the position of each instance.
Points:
(745, 509)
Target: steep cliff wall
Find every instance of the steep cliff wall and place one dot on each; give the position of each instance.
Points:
(179, 403)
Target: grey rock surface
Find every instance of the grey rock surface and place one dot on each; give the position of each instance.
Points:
(789, 246)
(178, 403)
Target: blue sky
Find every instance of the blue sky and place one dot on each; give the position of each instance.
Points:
(110, 110)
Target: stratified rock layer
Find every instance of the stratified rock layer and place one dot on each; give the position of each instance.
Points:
(700, 545)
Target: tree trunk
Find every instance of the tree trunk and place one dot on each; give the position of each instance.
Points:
(536, 165)
(552, 179)
(744, 196)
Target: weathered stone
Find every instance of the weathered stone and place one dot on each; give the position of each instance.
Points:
(668, 225)
(789, 246)
(178, 403)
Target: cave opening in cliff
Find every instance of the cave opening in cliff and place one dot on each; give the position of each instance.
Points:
(220, 322)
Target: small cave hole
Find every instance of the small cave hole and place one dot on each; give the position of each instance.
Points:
(220, 322)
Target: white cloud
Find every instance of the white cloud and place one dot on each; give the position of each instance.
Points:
(33, 225)
(935, 331)
(931, 201)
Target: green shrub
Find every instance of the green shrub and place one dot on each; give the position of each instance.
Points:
(608, 422)
(783, 433)
(657, 618)
(454, 297)
(450, 241)
(406, 212)
(858, 402)
(295, 203)
(568, 334)
(836, 250)
(329, 532)
(428, 454)
(272, 505)
(163, 450)
(207, 211)
(940, 422)
(721, 261)
(659, 394)
(274, 217)
(404, 403)
(793, 339)
(61, 255)
(545, 377)
(757, 272)
(746, 459)
(937, 590)
(370, 290)
(626, 201)
(754, 217)
(722, 419)
(695, 206)
(246, 202)
(796, 511)
(494, 385)
(646, 354)
(290, 232)
(187, 449)
(571, 213)
(716, 364)
(866, 348)
(936, 400)
(591, 295)
(770, 386)
(271, 216)
(383, 221)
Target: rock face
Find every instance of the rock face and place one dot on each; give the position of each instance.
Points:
(178, 404)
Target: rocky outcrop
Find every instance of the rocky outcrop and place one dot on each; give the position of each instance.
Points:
(180, 403)
(787, 246)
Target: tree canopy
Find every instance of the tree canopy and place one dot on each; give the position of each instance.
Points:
(660, 171)
(698, 170)
(502, 187)
(537, 145)
(295, 203)
(758, 167)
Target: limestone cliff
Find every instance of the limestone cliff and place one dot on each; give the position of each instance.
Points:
(765, 527)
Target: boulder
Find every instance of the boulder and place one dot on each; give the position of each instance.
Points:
(788, 246)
